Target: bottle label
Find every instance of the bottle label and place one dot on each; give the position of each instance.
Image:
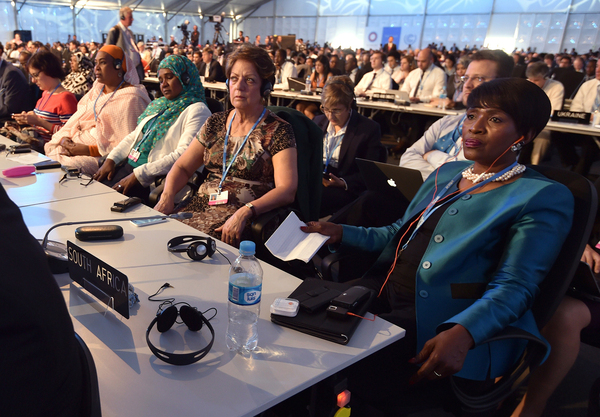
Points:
(244, 296)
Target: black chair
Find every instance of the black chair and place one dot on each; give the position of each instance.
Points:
(309, 144)
(214, 105)
(552, 291)
(90, 401)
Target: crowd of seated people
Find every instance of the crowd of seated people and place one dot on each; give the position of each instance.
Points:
(176, 134)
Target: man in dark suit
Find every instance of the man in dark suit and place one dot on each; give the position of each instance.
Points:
(347, 136)
(364, 66)
(39, 356)
(210, 69)
(14, 90)
(390, 46)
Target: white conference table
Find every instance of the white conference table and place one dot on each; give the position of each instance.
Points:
(132, 380)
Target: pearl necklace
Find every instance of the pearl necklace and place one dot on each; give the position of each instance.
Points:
(468, 174)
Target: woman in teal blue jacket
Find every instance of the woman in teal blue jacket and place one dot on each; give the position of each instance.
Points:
(478, 238)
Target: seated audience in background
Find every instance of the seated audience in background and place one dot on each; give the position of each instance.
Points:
(39, 355)
(259, 148)
(104, 116)
(449, 65)
(14, 90)
(536, 73)
(163, 133)
(425, 82)
(56, 105)
(334, 64)
(393, 68)
(455, 84)
(519, 67)
(364, 66)
(318, 79)
(351, 68)
(406, 66)
(210, 69)
(348, 135)
(566, 74)
(302, 68)
(590, 72)
(442, 142)
(284, 70)
(585, 101)
(34, 90)
(377, 79)
(422, 266)
(81, 78)
(197, 59)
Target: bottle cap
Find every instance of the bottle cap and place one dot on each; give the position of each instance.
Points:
(247, 248)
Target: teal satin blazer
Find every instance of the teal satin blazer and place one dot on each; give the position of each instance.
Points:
(482, 267)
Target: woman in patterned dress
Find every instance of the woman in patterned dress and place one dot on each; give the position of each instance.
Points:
(249, 153)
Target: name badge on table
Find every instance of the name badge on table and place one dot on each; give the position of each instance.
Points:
(134, 155)
(218, 198)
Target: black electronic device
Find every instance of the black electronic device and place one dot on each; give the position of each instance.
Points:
(317, 298)
(193, 319)
(351, 298)
(121, 206)
(196, 247)
(46, 165)
(105, 232)
(2, 147)
(22, 148)
(185, 76)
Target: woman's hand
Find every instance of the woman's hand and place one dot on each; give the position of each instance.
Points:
(106, 171)
(231, 231)
(334, 181)
(165, 205)
(334, 231)
(443, 355)
(28, 118)
(591, 257)
(126, 184)
(71, 148)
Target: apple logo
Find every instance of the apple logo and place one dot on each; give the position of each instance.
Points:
(391, 182)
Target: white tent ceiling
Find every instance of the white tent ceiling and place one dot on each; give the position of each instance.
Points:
(205, 7)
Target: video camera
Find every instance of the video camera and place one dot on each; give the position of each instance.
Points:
(215, 19)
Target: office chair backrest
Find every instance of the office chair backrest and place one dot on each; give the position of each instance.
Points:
(90, 401)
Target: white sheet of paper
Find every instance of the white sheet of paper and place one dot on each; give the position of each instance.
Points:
(29, 158)
(289, 242)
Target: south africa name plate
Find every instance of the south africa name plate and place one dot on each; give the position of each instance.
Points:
(100, 279)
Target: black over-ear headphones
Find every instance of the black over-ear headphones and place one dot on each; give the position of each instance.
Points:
(266, 88)
(198, 250)
(193, 319)
(122, 16)
(185, 76)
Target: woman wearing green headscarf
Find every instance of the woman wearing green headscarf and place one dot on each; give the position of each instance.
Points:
(164, 131)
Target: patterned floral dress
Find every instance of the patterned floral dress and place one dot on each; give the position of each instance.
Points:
(251, 175)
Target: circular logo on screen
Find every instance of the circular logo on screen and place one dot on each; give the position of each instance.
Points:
(410, 39)
(372, 37)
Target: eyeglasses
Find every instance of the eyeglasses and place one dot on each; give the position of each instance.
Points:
(466, 78)
(334, 112)
(36, 75)
(72, 176)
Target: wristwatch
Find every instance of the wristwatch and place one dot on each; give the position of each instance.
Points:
(251, 207)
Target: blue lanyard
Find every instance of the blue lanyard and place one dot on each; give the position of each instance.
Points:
(423, 80)
(225, 166)
(329, 155)
(48, 99)
(432, 206)
(597, 100)
(101, 91)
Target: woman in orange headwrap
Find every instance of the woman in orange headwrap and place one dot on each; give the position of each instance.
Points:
(105, 115)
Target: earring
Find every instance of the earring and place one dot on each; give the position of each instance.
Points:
(516, 147)
(120, 75)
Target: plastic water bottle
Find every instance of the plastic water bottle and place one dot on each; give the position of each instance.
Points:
(245, 287)
(443, 96)
(308, 84)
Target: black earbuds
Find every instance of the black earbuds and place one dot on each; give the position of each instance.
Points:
(185, 77)
(117, 63)
(200, 247)
(265, 89)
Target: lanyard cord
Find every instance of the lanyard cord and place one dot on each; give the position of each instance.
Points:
(99, 95)
(225, 166)
(329, 155)
(48, 99)
(437, 197)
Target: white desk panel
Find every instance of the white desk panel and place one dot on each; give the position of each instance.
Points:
(134, 382)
